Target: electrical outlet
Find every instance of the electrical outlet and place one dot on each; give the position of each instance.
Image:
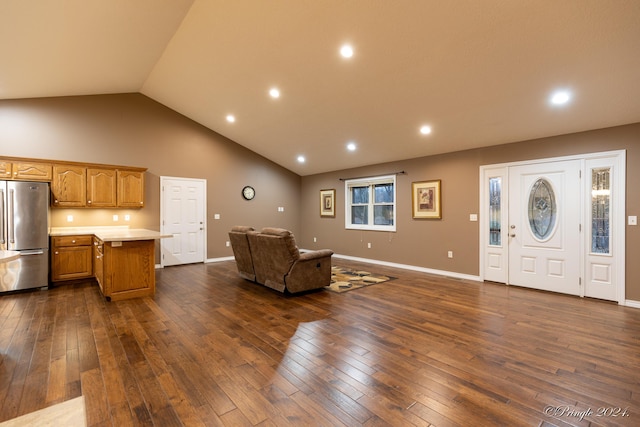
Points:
(228, 243)
(633, 220)
(280, 208)
(115, 217)
(369, 245)
(450, 254)
(216, 216)
(69, 218)
(127, 217)
(315, 240)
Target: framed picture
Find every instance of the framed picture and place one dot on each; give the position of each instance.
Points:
(328, 203)
(426, 199)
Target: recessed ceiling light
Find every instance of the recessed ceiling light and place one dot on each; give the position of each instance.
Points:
(274, 92)
(425, 129)
(346, 51)
(231, 118)
(301, 159)
(351, 146)
(560, 97)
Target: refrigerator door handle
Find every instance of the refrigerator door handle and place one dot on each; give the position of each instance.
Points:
(32, 252)
(2, 212)
(12, 237)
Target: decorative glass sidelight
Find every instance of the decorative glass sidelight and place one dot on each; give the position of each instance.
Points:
(542, 209)
(495, 218)
(600, 210)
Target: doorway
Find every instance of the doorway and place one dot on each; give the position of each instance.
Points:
(556, 224)
(182, 214)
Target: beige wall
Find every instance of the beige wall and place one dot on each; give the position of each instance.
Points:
(133, 130)
(424, 243)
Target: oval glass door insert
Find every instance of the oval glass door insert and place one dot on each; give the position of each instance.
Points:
(542, 209)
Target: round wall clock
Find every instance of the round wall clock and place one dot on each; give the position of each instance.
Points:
(248, 192)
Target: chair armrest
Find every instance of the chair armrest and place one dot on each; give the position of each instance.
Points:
(306, 256)
(311, 271)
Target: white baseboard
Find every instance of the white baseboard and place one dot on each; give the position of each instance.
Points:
(206, 261)
(412, 267)
(221, 259)
(632, 303)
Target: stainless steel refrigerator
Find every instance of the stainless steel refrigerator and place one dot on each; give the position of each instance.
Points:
(24, 227)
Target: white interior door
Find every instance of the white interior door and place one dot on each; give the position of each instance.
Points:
(544, 226)
(183, 216)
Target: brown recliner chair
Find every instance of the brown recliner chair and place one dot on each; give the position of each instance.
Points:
(242, 252)
(278, 264)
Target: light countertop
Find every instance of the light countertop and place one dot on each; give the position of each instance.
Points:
(6, 256)
(110, 234)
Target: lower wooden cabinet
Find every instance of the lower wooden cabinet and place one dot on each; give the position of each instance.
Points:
(71, 257)
(98, 262)
(122, 269)
(128, 269)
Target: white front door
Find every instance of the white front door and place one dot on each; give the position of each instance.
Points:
(544, 229)
(544, 226)
(183, 216)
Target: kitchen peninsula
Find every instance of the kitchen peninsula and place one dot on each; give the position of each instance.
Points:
(121, 259)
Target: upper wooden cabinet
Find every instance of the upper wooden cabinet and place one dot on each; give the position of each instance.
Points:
(101, 188)
(5, 169)
(81, 185)
(69, 186)
(130, 191)
(26, 171)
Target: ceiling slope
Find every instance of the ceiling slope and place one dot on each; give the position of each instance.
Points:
(479, 72)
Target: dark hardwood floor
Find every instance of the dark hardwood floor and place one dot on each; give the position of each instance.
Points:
(213, 349)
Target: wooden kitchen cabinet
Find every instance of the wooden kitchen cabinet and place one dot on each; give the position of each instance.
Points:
(130, 192)
(80, 185)
(101, 188)
(69, 186)
(71, 257)
(5, 169)
(128, 269)
(98, 262)
(26, 171)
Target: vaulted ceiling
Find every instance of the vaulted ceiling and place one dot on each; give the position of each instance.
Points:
(478, 72)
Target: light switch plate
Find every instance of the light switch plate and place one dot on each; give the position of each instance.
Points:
(473, 217)
(633, 220)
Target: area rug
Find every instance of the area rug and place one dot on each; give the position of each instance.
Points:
(346, 279)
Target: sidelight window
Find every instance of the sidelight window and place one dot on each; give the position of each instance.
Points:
(495, 218)
(600, 210)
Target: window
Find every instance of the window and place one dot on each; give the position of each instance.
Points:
(600, 210)
(542, 209)
(495, 217)
(370, 203)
